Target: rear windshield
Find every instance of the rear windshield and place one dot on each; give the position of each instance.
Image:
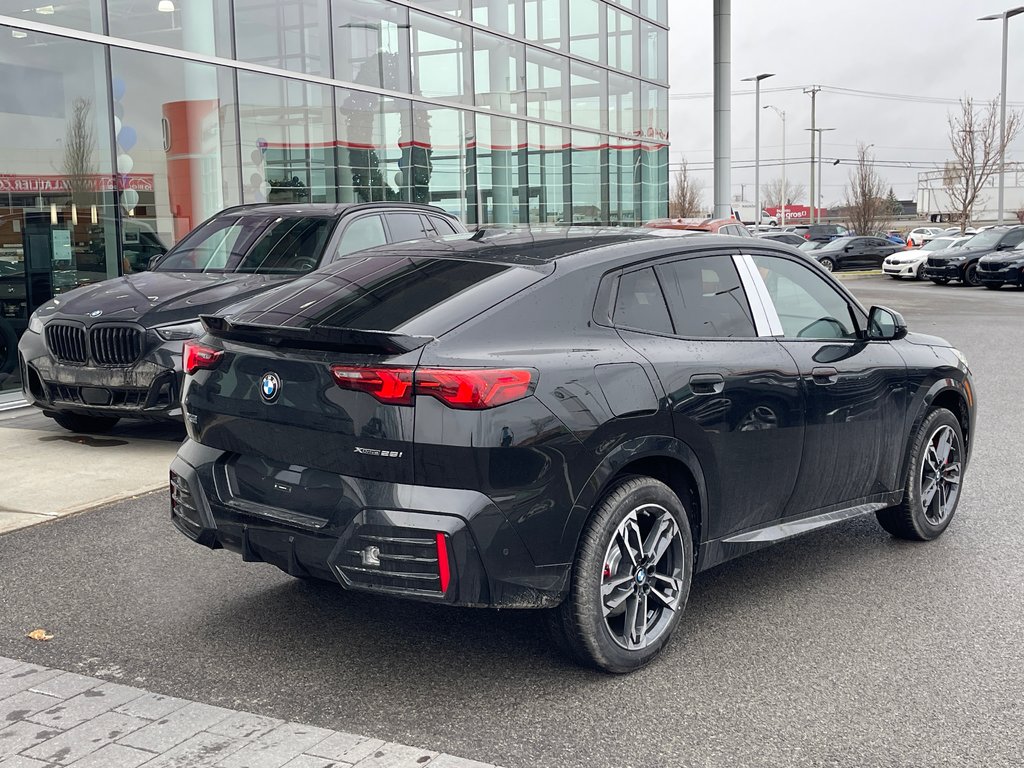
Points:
(282, 245)
(389, 293)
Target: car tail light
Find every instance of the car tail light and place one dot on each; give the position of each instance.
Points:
(462, 388)
(807, 235)
(196, 357)
(443, 569)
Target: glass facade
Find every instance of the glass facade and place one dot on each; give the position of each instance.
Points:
(125, 123)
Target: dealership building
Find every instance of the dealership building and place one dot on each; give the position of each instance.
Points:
(125, 123)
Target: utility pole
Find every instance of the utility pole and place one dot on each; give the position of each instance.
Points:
(813, 90)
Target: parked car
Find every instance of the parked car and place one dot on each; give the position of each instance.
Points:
(921, 235)
(1004, 267)
(716, 226)
(956, 232)
(962, 264)
(909, 263)
(789, 238)
(12, 314)
(854, 253)
(113, 350)
(574, 420)
(821, 232)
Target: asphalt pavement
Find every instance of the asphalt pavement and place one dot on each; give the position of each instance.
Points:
(843, 647)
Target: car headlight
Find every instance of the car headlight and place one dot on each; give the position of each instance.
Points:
(35, 323)
(180, 331)
(956, 259)
(961, 357)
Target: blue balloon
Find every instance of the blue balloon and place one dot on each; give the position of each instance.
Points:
(127, 138)
(118, 87)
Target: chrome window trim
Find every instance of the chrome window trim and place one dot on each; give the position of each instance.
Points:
(766, 318)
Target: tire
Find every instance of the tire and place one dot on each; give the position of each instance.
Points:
(914, 519)
(971, 276)
(993, 286)
(618, 555)
(919, 275)
(827, 264)
(77, 422)
(940, 280)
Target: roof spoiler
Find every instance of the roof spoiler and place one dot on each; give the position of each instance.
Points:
(319, 337)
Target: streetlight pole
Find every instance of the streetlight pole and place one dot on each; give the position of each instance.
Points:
(813, 90)
(757, 142)
(1005, 16)
(821, 162)
(782, 113)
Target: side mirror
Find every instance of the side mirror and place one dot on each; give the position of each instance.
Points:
(885, 324)
(1004, 247)
(848, 248)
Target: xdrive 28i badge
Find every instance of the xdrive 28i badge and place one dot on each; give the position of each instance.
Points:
(270, 387)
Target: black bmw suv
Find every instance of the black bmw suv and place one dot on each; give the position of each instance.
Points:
(570, 420)
(113, 350)
(963, 264)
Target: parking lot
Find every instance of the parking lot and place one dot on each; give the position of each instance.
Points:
(843, 647)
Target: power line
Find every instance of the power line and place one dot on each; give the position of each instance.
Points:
(842, 91)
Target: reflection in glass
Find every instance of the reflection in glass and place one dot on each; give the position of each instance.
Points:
(586, 33)
(371, 43)
(182, 136)
(547, 80)
(653, 52)
(86, 15)
(589, 179)
(58, 189)
(549, 172)
(441, 67)
(623, 105)
(287, 131)
(622, 31)
(544, 23)
(202, 26)
(499, 15)
(589, 96)
(498, 73)
(375, 147)
(436, 164)
(287, 34)
(500, 159)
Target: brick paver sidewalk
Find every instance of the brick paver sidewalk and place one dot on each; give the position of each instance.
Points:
(50, 718)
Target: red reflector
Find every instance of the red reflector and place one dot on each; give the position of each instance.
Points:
(807, 236)
(473, 388)
(467, 389)
(389, 385)
(197, 357)
(442, 560)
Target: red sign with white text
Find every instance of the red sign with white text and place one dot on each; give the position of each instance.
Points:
(794, 212)
(20, 184)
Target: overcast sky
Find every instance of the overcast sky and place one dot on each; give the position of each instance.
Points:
(925, 48)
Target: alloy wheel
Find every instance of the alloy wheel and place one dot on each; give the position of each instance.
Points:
(642, 586)
(940, 475)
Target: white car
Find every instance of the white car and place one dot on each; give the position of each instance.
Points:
(908, 263)
(921, 235)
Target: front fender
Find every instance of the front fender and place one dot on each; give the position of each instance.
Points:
(957, 382)
(626, 453)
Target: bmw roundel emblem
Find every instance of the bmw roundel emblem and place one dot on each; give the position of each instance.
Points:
(270, 387)
(96, 313)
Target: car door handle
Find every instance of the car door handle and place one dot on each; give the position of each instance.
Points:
(707, 383)
(825, 375)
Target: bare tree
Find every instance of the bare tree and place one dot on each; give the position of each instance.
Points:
(1019, 213)
(974, 139)
(772, 193)
(867, 207)
(79, 147)
(687, 200)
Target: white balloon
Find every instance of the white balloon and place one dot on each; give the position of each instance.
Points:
(130, 198)
(264, 188)
(117, 125)
(125, 164)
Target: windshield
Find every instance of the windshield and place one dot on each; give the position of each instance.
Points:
(961, 242)
(987, 239)
(810, 245)
(937, 244)
(253, 244)
(838, 244)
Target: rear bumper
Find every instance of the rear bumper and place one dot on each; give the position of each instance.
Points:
(423, 543)
(148, 389)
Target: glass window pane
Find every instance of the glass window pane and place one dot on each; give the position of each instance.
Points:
(203, 27)
(498, 73)
(808, 307)
(457, 8)
(435, 163)
(623, 105)
(288, 34)
(182, 135)
(58, 189)
(544, 23)
(406, 226)
(549, 174)
(86, 15)
(291, 246)
(589, 97)
(364, 232)
(586, 37)
(499, 157)
(639, 303)
(287, 130)
(653, 52)
(622, 32)
(624, 190)
(371, 133)
(499, 15)
(371, 43)
(589, 179)
(441, 67)
(706, 298)
(547, 80)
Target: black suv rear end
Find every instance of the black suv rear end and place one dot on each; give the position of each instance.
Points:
(823, 233)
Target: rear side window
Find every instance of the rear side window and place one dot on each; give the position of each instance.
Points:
(289, 246)
(1014, 238)
(443, 226)
(406, 226)
(364, 232)
(706, 299)
(640, 304)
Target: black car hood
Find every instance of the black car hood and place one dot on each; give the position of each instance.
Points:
(156, 298)
(927, 341)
